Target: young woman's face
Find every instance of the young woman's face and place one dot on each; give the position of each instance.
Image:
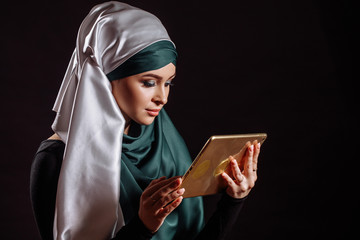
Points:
(140, 97)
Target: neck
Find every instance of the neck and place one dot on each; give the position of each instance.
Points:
(55, 137)
(127, 127)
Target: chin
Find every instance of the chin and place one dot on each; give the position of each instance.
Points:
(146, 121)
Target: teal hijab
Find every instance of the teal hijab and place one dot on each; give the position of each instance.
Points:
(154, 56)
(150, 152)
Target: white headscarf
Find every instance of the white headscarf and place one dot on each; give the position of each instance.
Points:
(90, 123)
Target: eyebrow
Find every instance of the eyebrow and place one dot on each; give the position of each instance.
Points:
(158, 77)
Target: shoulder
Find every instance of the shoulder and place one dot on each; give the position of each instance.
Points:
(48, 158)
(51, 146)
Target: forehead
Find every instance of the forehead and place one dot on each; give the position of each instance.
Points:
(165, 72)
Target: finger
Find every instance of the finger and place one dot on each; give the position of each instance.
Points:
(256, 155)
(240, 155)
(248, 169)
(156, 184)
(165, 190)
(230, 182)
(169, 208)
(236, 170)
(165, 200)
(156, 181)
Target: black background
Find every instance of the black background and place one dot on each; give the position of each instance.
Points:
(280, 67)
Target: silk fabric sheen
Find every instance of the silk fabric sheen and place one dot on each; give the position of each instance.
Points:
(90, 123)
(150, 152)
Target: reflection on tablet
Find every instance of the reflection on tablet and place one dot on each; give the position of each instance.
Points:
(221, 167)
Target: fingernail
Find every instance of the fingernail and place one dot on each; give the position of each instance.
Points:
(181, 191)
(251, 148)
(258, 145)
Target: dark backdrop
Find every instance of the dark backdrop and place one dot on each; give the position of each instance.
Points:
(280, 67)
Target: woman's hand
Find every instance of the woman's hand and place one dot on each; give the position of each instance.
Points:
(158, 200)
(241, 177)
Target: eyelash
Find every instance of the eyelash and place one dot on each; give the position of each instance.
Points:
(152, 83)
(167, 84)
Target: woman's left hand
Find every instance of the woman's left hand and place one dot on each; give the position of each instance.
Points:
(241, 181)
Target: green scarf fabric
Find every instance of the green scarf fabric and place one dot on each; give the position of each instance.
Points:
(155, 56)
(150, 152)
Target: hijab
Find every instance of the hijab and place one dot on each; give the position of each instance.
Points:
(90, 123)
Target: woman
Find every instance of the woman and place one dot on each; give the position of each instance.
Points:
(114, 143)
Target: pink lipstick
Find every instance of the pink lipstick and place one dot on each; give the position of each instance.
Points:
(153, 112)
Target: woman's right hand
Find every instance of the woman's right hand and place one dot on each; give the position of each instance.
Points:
(158, 200)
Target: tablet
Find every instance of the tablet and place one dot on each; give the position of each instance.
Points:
(204, 175)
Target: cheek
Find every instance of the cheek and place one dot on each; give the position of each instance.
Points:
(132, 98)
(139, 97)
(124, 97)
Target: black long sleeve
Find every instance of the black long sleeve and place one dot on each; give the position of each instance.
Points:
(223, 219)
(135, 229)
(45, 170)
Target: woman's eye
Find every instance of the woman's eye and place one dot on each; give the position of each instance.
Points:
(149, 83)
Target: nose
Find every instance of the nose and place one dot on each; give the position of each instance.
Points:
(161, 95)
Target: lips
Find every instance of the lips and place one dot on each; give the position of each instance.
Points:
(153, 112)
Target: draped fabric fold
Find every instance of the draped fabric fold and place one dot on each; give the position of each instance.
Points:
(88, 172)
(90, 123)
